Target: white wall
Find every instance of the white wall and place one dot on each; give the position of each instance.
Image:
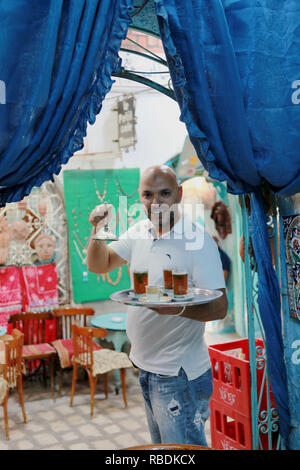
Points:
(160, 134)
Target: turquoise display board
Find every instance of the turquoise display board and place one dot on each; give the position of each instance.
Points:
(84, 189)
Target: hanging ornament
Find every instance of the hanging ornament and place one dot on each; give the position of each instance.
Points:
(19, 230)
(42, 207)
(22, 205)
(4, 239)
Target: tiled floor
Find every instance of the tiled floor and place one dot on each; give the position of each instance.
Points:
(54, 425)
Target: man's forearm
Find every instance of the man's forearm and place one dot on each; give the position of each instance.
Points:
(205, 312)
(97, 255)
(215, 310)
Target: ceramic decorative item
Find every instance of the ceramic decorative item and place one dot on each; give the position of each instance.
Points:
(42, 207)
(19, 230)
(4, 240)
(44, 245)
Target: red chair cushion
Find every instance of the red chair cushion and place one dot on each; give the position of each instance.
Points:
(37, 350)
(65, 351)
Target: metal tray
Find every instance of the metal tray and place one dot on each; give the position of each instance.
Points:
(200, 296)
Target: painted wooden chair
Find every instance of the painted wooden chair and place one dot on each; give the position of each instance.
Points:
(65, 317)
(36, 348)
(11, 374)
(96, 362)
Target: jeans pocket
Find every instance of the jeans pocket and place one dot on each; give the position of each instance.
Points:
(204, 385)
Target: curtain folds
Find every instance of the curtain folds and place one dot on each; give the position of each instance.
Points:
(233, 65)
(58, 57)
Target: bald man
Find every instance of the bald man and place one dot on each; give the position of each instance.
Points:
(167, 344)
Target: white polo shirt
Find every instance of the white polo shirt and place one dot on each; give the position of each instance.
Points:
(162, 344)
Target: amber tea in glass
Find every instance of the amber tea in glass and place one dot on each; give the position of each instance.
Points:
(140, 281)
(180, 283)
(168, 279)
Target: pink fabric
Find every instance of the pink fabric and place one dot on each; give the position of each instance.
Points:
(36, 349)
(10, 293)
(65, 350)
(39, 287)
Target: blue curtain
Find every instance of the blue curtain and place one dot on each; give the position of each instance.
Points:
(56, 61)
(234, 67)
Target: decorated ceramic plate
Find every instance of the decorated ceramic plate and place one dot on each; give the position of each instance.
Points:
(195, 296)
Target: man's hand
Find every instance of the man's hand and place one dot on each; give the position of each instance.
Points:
(100, 257)
(167, 310)
(101, 215)
(210, 311)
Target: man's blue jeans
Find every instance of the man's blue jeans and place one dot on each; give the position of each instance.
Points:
(176, 408)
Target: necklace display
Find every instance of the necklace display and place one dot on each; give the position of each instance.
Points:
(82, 266)
(119, 186)
(81, 242)
(100, 196)
(81, 261)
(75, 221)
(84, 247)
(114, 283)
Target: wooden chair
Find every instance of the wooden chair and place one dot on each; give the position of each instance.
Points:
(96, 362)
(65, 317)
(33, 325)
(12, 373)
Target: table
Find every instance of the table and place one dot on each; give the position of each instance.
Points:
(115, 324)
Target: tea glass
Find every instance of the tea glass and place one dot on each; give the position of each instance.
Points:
(153, 293)
(168, 278)
(180, 282)
(140, 281)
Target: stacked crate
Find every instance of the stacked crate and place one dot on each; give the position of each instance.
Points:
(230, 405)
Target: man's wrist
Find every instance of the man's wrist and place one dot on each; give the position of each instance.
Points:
(93, 232)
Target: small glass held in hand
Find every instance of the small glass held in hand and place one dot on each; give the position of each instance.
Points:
(180, 282)
(104, 233)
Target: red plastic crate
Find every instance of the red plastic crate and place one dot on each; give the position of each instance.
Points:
(231, 374)
(231, 399)
(230, 430)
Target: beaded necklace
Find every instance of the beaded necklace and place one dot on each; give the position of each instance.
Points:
(114, 283)
(100, 196)
(82, 266)
(122, 190)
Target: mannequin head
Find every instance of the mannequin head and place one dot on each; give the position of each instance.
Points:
(4, 240)
(19, 230)
(44, 245)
